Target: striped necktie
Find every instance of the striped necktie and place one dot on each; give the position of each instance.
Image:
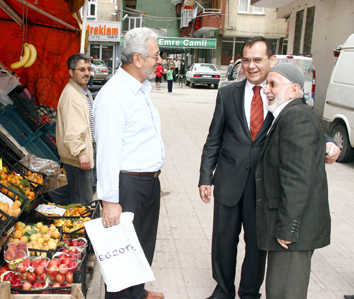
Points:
(256, 112)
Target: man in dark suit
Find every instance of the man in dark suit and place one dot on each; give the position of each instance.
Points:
(293, 215)
(236, 137)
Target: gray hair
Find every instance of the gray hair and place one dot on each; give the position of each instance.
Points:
(135, 42)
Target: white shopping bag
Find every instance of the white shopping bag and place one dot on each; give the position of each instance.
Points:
(122, 260)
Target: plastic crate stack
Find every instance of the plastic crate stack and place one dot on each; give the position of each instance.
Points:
(24, 123)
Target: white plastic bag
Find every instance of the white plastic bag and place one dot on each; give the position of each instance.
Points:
(122, 260)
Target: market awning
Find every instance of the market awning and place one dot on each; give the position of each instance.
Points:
(52, 27)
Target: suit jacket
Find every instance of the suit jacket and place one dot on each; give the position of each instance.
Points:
(229, 148)
(292, 195)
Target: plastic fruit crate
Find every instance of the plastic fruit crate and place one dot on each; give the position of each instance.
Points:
(18, 129)
(36, 187)
(39, 148)
(22, 99)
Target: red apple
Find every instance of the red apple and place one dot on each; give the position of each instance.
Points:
(63, 269)
(73, 265)
(69, 277)
(37, 285)
(41, 277)
(60, 278)
(54, 261)
(16, 283)
(67, 285)
(74, 243)
(39, 270)
(52, 270)
(26, 286)
(4, 269)
(67, 242)
(56, 285)
(81, 243)
(9, 276)
(62, 256)
(65, 260)
(21, 267)
(44, 262)
(31, 277)
(51, 277)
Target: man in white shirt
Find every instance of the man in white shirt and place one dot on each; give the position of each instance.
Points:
(130, 152)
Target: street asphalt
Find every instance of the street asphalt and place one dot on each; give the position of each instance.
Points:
(183, 252)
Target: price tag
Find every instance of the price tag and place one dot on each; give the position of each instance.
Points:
(0, 164)
(50, 210)
(4, 198)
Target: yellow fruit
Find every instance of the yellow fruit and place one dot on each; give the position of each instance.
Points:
(24, 239)
(52, 245)
(39, 225)
(44, 229)
(50, 233)
(34, 237)
(28, 227)
(56, 234)
(17, 234)
(40, 241)
(46, 237)
(53, 228)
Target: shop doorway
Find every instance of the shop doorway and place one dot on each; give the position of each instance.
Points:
(104, 52)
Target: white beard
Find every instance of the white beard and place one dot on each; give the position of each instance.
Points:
(278, 100)
(148, 73)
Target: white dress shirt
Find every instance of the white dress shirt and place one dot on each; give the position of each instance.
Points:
(127, 132)
(248, 101)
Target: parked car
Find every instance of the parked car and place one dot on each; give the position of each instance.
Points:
(203, 73)
(305, 63)
(101, 70)
(338, 114)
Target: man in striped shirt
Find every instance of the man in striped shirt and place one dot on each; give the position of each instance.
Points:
(74, 135)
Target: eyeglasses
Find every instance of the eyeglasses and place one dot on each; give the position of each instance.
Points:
(256, 60)
(273, 84)
(83, 69)
(156, 56)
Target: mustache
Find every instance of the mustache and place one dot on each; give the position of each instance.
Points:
(85, 76)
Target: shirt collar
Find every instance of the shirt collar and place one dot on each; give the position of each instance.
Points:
(84, 91)
(280, 108)
(133, 83)
(249, 86)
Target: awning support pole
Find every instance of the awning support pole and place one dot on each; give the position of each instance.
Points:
(48, 15)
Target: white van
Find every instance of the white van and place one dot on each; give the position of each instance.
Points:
(306, 65)
(338, 115)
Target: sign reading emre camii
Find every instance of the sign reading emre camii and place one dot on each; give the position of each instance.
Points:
(103, 31)
(200, 43)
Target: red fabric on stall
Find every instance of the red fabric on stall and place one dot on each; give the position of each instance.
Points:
(53, 41)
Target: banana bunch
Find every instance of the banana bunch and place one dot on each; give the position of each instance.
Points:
(28, 58)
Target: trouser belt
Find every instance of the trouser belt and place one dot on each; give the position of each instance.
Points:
(149, 174)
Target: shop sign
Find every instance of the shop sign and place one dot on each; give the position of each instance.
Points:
(103, 31)
(197, 43)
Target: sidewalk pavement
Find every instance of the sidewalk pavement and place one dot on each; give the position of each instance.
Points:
(182, 257)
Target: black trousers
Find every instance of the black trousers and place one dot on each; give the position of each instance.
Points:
(226, 230)
(169, 85)
(140, 195)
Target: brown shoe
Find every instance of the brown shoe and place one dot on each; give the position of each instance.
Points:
(154, 295)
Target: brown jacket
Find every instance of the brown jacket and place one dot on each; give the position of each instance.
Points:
(73, 134)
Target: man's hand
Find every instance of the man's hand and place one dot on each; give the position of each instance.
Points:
(205, 193)
(284, 243)
(85, 163)
(111, 213)
(335, 152)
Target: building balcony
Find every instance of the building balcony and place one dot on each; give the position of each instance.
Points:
(207, 21)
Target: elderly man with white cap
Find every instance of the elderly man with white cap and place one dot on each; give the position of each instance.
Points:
(293, 216)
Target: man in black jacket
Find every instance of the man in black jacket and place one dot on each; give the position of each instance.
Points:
(236, 136)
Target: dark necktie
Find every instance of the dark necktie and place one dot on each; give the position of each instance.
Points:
(256, 112)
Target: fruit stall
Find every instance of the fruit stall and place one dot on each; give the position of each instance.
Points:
(44, 247)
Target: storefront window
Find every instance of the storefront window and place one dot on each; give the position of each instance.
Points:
(107, 55)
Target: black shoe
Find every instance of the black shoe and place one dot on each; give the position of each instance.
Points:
(348, 296)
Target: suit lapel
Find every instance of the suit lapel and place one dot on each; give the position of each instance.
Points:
(239, 94)
(274, 125)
